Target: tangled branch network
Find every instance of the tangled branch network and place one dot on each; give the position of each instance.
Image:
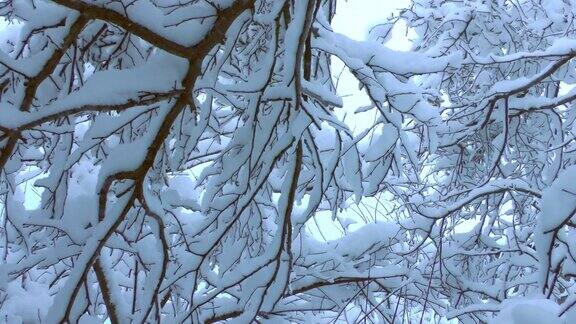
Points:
(195, 161)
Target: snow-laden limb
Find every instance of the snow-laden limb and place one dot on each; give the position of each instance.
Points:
(557, 209)
(559, 48)
(496, 186)
(558, 204)
(61, 306)
(381, 58)
(528, 310)
(105, 91)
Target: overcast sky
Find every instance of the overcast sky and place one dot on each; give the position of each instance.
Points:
(354, 18)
